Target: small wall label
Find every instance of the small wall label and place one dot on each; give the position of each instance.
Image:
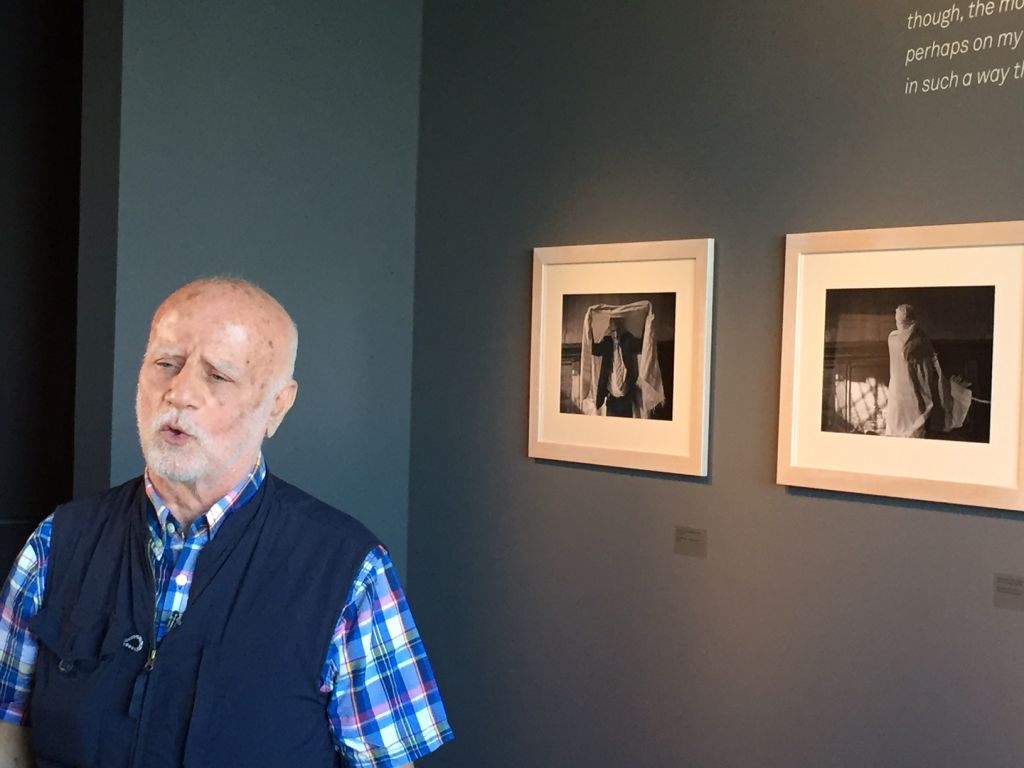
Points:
(1008, 592)
(691, 542)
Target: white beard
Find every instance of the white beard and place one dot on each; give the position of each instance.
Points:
(197, 458)
(177, 463)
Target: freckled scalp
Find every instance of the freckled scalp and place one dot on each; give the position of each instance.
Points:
(253, 307)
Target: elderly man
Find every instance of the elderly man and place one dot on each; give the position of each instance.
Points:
(207, 613)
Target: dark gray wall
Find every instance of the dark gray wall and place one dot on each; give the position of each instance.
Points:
(277, 141)
(822, 629)
(97, 250)
(40, 90)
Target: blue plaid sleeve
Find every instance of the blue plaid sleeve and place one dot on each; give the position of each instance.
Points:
(20, 600)
(385, 709)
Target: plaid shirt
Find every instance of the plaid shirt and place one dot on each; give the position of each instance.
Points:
(384, 710)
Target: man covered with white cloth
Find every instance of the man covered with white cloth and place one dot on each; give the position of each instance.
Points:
(620, 373)
(921, 399)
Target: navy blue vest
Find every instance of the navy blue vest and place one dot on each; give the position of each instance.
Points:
(237, 682)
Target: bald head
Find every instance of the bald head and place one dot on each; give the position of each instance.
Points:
(246, 304)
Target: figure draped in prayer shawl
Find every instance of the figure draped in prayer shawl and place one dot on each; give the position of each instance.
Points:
(620, 375)
(921, 399)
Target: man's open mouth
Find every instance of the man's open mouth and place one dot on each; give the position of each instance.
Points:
(173, 432)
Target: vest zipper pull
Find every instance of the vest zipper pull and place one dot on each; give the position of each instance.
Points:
(151, 660)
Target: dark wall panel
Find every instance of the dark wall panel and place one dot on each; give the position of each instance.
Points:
(822, 629)
(40, 91)
(97, 253)
(277, 141)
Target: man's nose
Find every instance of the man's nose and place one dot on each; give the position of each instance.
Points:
(185, 390)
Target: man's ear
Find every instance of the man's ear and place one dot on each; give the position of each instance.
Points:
(283, 402)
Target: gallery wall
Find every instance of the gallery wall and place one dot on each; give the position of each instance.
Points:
(278, 143)
(40, 89)
(97, 248)
(821, 629)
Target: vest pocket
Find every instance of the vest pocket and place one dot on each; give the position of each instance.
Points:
(75, 692)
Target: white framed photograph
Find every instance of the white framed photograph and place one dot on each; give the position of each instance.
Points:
(621, 354)
(902, 363)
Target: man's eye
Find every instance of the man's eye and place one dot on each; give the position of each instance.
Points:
(218, 377)
(164, 364)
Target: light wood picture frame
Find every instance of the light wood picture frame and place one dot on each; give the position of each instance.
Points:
(622, 330)
(902, 363)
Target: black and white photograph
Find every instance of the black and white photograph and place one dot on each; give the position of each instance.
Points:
(909, 362)
(901, 374)
(620, 354)
(617, 355)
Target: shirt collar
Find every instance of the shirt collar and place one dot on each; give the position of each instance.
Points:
(230, 501)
